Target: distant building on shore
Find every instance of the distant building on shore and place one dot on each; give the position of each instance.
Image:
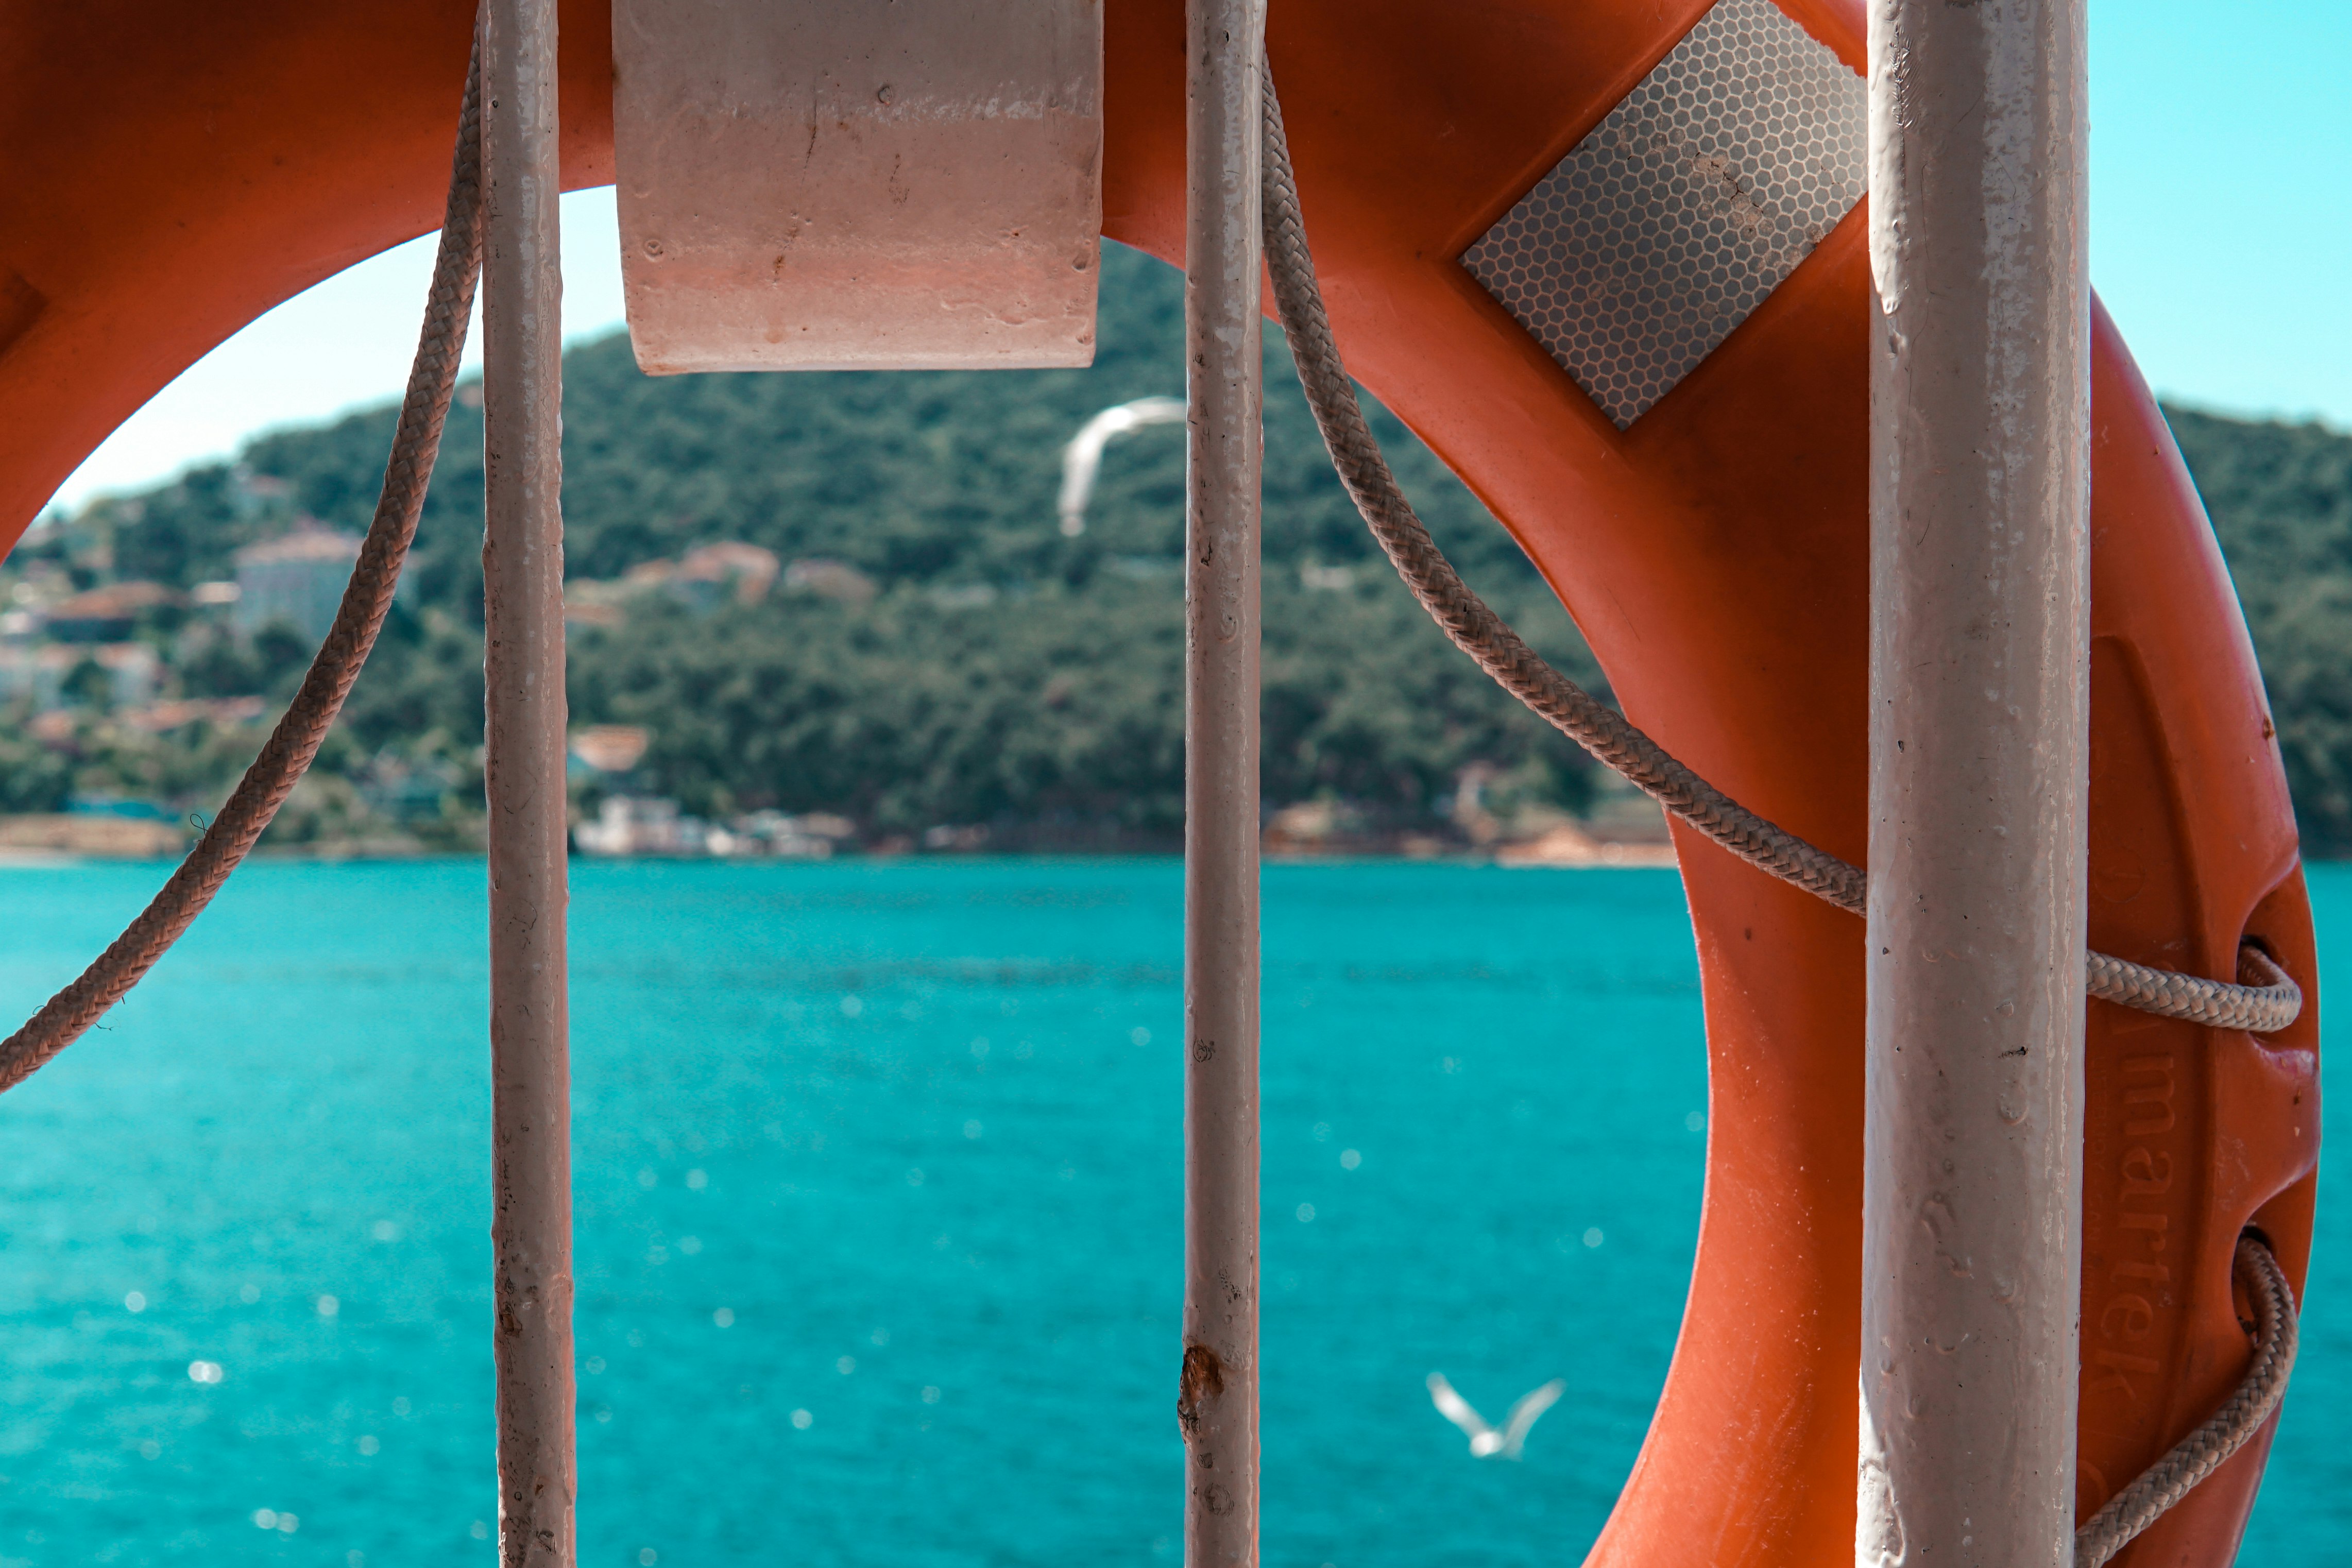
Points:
(651, 826)
(610, 749)
(103, 614)
(835, 580)
(298, 578)
(100, 834)
(128, 674)
(712, 575)
(706, 578)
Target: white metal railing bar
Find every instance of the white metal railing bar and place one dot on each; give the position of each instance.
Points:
(522, 607)
(1217, 1402)
(1979, 745)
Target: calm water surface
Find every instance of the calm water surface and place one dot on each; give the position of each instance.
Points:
(879, 1245)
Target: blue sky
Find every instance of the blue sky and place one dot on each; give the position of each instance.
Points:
(2221, 208)
(2220, 240)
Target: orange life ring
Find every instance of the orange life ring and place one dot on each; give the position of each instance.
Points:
(175, 170)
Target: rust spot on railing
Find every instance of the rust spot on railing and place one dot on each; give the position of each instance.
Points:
(1204, 1377)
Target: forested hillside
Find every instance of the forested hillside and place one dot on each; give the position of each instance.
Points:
(1001, 673)
(944, 655)
(2281, 501)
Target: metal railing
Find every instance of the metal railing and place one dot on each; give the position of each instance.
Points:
(523, 768)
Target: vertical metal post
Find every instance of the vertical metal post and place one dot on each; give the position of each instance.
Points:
(522, 608)
(1217, 1400)
(1979, 747)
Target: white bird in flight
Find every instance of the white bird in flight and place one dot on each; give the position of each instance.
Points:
(1082, 458)
(1485, 1443)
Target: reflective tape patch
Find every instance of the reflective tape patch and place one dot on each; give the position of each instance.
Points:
(1683, 208)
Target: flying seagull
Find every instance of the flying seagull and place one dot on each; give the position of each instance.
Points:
(1485, 1443)
(1082, 458)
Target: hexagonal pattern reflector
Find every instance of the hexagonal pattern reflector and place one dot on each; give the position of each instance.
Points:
(1685, 207)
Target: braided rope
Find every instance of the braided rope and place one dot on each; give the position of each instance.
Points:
(296, 739)
(2226, 1431)
(2265, 1007)
(1474, 628)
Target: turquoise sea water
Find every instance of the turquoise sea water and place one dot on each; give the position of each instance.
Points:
(878, 1212)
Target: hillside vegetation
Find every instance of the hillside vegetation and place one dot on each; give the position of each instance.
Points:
(996, 672)
(1001, 674)
(2281, 499)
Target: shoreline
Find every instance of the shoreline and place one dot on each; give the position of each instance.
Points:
(13, 858)
(49, 838)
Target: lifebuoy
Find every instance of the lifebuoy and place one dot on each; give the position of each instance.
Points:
(175, 174)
